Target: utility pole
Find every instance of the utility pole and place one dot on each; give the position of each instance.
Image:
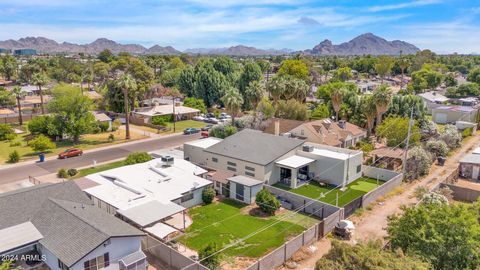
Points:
(405, 154)
(173, 99)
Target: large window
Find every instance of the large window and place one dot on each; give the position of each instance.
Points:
(214, 159)
(231, 163)
(187, 197)
(231, 169)
(97, 263)
(359, 168)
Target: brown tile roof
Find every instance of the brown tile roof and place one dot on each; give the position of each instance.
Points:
(330, 133)
(220, 176)
(286, 125)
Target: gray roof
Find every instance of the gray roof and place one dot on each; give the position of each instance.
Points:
(254, 146)
(471, 158)
(70, 224)
(245, 180)
(20, 235)
(150, 212)
(133, 258)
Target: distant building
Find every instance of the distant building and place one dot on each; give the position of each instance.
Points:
(433, 100)
(181, 112)
(5, 51)
(470, 165)
(452, 114)
(25, 52)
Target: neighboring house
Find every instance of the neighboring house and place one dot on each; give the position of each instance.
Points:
(244, 188)
(452, 114)
(33, 102)
(103, 119)
(147, 194)
(280, 126)
(181, 112)
(271, 159)
(220, 181)
(59, 224)
(338, 134)
(388, 158)
(470, 165)
(433, 100)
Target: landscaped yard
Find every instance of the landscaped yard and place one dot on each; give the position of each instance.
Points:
(180, 126)
(87, 141)
(99, 168)
(354, 190)
(235, 222)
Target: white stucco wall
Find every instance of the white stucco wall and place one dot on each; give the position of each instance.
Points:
(194, 154)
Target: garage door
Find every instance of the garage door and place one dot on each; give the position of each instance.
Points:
(440, 118)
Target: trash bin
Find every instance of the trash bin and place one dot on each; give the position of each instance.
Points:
(441, 161)
(41, 156)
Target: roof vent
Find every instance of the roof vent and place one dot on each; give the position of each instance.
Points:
(342, 124)
(167, 161)
(307, 148)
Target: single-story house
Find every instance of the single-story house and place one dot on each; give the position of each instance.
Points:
(470, 166)
(462, 125)
(452, 114)
(280, 126)
(103, 118)
(147, 194)
(181, 112)
(388, 158)
(244, 188)
(60, 226)
(433, 100)
(220, 181)
(271, 159)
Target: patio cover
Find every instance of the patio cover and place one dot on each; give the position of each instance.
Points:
(18, 236)
(295, 162)
(150, 212)
(160, 230)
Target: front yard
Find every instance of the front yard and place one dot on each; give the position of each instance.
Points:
(354, 190)
(228, 221)
(180, 126)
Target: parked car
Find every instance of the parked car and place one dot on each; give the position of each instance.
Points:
(199, 118)
(71, 152)
(212, 120)
(204, 134)
(190, 131)
(209, 115)
(206, 128)
(224, 116)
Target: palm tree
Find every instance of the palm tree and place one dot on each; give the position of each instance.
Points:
(233, 101)
(255, 91)
(276, 88)
(40, 79)
(336, 97)
(369, 108)
(127, 83)
(19, 94)
(403, 63)
(382, 97)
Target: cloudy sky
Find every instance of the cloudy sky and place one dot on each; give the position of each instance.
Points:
(441, 25)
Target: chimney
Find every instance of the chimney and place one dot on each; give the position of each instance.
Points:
(342, 124)
(277, 127)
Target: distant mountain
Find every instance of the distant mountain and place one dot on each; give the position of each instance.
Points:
(239, 50)
(362, 45)
(45, 45)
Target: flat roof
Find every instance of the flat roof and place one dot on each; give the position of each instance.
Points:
(160, 230)
(476, 151)
(129, 186)
(330, 154)
(18, 236)
(295, 161)
(204, 143)
(150, 212)
(456, 108)
(133, 258)
(245, 180)
(471, 158)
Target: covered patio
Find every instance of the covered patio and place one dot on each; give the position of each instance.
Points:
(295, 171)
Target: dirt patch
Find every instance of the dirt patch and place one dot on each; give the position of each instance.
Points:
(255, 211)
(238, 263)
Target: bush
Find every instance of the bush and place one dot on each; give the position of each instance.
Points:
(13, 144)
(111, 137)
(208, 194)
(103, 126)
(222, 131)
(6, 131)
(62, 173)
(137, 157)
(437, 147)
(451, 136)
(365, 145)
(467, 132)
(418, 162)
(267, 202)
(209, 256)
(41, 143)
(13, 157)
(10, 136)
(39, 124)
(72, 172)
(161, 120)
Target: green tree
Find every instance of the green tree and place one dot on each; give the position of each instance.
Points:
(464, 90)
(41, 143)
(222, 131)
(73, 109)
(437, 148)
(127, 83)
(395, 130)
(19, 94)
(195, 103)
(450, 80)
(367, 256)
(255, 92)
(106, 56)
(292, 109)
(369, 109)
(210, 84)
(384, 65)
(336, 97)
(295, 68)
(6, 98)
(418, 163)
(425, 79)
(209, 256)
(251, 73)
(404, 63)
(137, 157)
(8, 66)
(321, 111)
(40, 79)
(447, 236)
(233, 102)
(186, 81)
(266, 108)
(342, 74)
(267, 202)
(208, 194)
(474, 75)
(276, 88)
(382, 97)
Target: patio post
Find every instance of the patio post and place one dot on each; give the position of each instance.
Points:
(184, 227)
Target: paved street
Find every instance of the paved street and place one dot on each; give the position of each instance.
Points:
(20, 172)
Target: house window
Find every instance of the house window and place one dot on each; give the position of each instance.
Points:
(231, 169)
(214, 159)
(249, 174)
(187, 197)
(217, 184)
(231, 163)
(62, 266)
(359, 168)
(97, 263)
(249, 168)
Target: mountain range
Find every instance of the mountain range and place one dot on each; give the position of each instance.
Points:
(361, 45)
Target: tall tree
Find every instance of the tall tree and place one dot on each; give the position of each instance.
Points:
(19, 94)
(336, 97)
(127, 83)
(40, 79)
(294, 68)
(384, 65)
(403, 63)
(382, 96)
(251, 72)
(233, 102)
(186, 81)
(254, 92)
(369, 109)
(276, 88)
(8, 66)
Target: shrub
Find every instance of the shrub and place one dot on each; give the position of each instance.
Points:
(41, 143)
(365, 145)
(39, 124)
(451, 136)
(467, 132)
(161, 120)
(222, 131)
(209, 256)
(10, 136)
(207, 195)
(62, 173)
(72, 172)
(13, 144)
(267, 202)
(6, 131)
(418, 162)
(13, 157)
(437, 147)
(111, 137)
(137, 157)
(103, 126)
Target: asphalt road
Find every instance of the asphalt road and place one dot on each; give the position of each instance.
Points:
(21, 172)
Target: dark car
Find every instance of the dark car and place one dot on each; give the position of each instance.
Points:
(209, 115)
(190, 131)
(71, 152)
(207, 127)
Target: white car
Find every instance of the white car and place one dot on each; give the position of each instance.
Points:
(199, 118)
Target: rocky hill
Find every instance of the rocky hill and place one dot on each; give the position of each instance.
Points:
(362, 45)
(45, 45)
(239, 50)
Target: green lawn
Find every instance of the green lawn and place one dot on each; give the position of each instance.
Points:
(100, 168)
(354, 190)
(181, 125)
(205, 230)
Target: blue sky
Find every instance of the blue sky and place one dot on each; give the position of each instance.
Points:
(441, 25)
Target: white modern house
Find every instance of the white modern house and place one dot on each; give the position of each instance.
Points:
(271, 159)
(148, 194)
(470, 165)
(60, 227)
(244, 188)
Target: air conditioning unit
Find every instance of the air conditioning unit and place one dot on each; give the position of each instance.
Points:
(307, 148)
(167, 161)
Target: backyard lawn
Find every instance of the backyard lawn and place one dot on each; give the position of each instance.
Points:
(239, 224)
(354, 190)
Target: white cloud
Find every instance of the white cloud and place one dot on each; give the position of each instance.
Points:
(410, 4)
